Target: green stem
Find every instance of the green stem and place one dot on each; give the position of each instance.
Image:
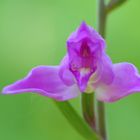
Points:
(100, 107)
(88, 109)
(100, 120)
(76, 121)
(102, 17)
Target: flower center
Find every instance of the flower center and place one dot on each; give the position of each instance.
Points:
(84, 71)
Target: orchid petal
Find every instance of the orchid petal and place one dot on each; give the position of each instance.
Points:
(126, 81)
(44, 80)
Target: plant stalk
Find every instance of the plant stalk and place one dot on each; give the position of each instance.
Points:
(100, 107)
(102, 17)
(88, 109)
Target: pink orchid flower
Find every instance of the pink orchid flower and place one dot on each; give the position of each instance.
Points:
(86, 68)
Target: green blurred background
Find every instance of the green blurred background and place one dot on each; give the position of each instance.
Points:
(34, 32)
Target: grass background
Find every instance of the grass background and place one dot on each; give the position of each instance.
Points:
(34, 32)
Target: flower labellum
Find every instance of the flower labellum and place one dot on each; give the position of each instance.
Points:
(85, 68)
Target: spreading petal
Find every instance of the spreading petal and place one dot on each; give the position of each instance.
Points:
(126, 81)
(46, 81)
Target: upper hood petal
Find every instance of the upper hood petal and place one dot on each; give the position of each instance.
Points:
(85, 49)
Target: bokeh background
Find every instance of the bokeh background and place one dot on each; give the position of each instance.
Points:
(34, 32)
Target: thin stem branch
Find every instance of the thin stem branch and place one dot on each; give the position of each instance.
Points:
(88, 109)
(114, 4)
(100, 107)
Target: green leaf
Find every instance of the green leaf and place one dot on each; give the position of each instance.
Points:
(76, 121)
